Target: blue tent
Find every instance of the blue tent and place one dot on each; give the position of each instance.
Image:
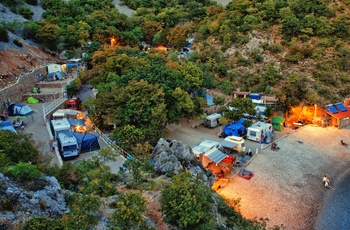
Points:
(87, 141)
(236, 129)
(241, 121)
(17, 109)
(7, 126)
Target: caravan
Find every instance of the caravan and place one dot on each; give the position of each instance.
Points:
(59, 126)
(212, 120)
(260, 132)
(233, 143)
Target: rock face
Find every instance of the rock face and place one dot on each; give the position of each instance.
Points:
(173, 157)
(18, 203)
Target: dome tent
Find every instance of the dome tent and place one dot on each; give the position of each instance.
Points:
(17, 109)
(32, 100)
(277, 123)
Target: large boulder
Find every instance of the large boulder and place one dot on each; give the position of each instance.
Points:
(172, 157)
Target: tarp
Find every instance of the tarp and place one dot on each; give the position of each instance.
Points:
(246, 174)
(277, 122)
(7, 126)
(256, 96)
(209, 99)
(236, 129)
(87, 141)
(32, 100)
(17, 109)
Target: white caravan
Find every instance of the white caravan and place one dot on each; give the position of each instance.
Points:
(67, 146)
(258, 131)
(212, 120)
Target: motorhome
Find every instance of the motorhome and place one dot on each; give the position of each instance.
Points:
(259, 131)
(73, 103)
(233, 143)
(212, 120)
(204, 147)
(59, 126)
(67, 146)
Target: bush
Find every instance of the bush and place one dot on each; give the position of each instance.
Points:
(4, 37)
(26, 12)
(42, 223)
(23, 171)
(32, 2)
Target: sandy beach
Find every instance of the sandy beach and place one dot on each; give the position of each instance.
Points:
(287, 187)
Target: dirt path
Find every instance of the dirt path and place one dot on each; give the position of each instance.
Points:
(287, 187)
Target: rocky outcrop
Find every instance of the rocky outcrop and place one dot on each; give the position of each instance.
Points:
(43, 198)
(173, 157)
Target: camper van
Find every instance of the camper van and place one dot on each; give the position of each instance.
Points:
(67, 146)
(233, 143)
(66, 113)
(212, 120)
(59, 126)
(259, 131)
(204, 147)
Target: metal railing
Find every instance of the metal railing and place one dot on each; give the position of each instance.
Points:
(51, 107)
(112, 144)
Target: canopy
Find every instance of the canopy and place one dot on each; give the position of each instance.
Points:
(228, 144)
(17, 109)
(32, 100)
(277, 122)
(7, 126)
(216, 155)
(87, 141)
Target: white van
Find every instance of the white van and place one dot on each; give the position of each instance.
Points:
(67, 146)
(257, 131)
(212, 120)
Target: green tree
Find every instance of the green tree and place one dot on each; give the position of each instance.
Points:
(48, 34)
(240, 107)
(149, 29)
(177, 37)
(18, 147)
(186, 203)
(26, 12)
(129, 214)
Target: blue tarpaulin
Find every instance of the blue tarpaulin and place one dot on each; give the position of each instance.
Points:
(76, 122)
(256, 96)
(209, 99)
(236, 129)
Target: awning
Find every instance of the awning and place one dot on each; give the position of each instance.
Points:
(216, 155)
(199, 149)
(228, 144)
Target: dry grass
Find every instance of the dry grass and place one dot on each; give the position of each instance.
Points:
(287, 187)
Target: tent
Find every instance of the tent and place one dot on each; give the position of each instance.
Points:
(87, 141)
(209, 99)
(7, 126)
(17, 109)
(32, 100)
(277, 123)
(235, 129)
(56, 76)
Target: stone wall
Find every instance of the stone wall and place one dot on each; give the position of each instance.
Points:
(24, 84)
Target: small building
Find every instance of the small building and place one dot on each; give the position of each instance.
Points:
(338, 115)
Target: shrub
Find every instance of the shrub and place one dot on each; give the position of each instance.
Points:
(4, 37)
(26, 12)
(23, 171)
(275, 48)
(42, 223)
(129, 214)
(32, 2)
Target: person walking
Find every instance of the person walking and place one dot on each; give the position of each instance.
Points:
(327, 182)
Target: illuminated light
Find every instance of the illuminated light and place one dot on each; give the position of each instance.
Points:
(113, 41)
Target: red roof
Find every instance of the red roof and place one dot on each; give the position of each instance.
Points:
(340, 115)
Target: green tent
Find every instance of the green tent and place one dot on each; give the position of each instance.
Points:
(35, 90)
(277, 123)
(32, 100)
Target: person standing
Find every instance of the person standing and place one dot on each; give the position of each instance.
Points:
(326, 182)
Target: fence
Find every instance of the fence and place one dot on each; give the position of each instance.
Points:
(112, 144)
